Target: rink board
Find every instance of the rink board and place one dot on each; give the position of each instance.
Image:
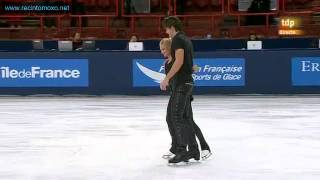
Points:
(112, 72)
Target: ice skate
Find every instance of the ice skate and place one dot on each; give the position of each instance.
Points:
(168, 155)
(205, 154)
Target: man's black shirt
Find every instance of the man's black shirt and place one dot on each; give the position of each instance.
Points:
(184, 75)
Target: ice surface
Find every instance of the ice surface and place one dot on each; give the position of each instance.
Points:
(124, 137)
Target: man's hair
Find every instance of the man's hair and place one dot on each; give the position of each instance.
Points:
(173, 21)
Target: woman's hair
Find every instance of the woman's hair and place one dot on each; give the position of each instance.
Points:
(166, 43)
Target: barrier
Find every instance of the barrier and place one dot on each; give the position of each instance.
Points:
(199, 45)
(262, 72)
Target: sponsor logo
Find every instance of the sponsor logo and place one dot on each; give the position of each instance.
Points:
(154, 75)
(305, 71)
(43, 72)
(37, 72)
(209, 72)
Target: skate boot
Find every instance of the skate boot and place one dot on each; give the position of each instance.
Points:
(193, 154)
(205, 154)
(168, 155)
(180, 158)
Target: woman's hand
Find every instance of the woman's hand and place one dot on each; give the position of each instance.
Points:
(195, 68)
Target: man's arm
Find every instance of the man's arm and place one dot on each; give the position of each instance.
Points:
(174, 69)
(177, 63)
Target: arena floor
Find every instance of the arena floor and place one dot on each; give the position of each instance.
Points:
(123, 138)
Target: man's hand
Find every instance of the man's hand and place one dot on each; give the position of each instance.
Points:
(164, 84)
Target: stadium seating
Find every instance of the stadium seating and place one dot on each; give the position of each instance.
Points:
(110, 19)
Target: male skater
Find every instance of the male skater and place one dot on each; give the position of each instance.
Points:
(165, 48)
(181, 83)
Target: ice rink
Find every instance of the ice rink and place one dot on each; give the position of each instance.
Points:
(123, 138)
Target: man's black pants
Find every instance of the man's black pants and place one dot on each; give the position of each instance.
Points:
(188, 114)
(178, 118)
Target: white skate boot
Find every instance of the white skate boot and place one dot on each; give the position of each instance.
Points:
(168, 155)
(205, 154)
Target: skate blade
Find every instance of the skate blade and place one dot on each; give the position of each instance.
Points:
(167, 157)
(178, 164)
(192, 160)
(185, 163)
(192, 163)
(207, 156)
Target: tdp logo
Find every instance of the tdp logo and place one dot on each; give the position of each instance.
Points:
(290, 26)
(288, 23)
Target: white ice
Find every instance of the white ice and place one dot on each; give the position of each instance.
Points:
(123, 138)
